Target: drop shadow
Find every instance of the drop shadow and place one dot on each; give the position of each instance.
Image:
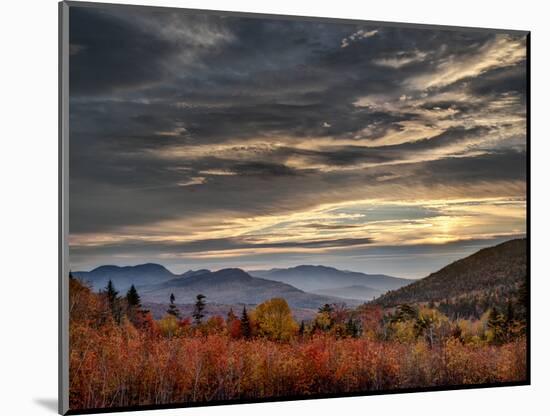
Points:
(49, 404)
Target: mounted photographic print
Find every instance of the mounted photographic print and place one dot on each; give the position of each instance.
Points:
(262, 208)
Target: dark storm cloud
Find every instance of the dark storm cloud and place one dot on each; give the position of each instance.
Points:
(263, 169)
(108, 53)
(130, 247)
(153, 195)
(351, 154)
(177, 116)
(501, 80)
(509, 165)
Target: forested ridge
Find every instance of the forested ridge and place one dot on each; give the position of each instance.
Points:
(493, 276)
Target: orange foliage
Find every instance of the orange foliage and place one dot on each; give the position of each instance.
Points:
(120, 365)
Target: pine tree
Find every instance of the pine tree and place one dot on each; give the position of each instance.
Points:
(406, 312)
(114, 301)
(245, 324)
(112, 293)
(133, 298)
(352, 328)
(326, 308)
(133, 302)
(497, 325)
(302, 329)
(199, 308)
(172, 308)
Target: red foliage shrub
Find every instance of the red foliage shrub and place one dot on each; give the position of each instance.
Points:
(120, 365)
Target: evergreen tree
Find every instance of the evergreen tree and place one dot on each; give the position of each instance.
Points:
(302, 329)
(133, 298)
(245, 324)
(326, 308)
(199, 308)
(114, 301)
(352, 329)
(406, 313)
(111, 292)
(133, 304)
(172, 308)
(497, 324)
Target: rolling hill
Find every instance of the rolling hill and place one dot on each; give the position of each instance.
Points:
(322, 278)
(123, 277)
(155, 283)
(234, 286)
(494, 270)
(351, 292)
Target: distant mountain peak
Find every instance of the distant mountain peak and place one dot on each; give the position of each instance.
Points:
(313, 266)
(125, 276)
(194, 272)
(233, 272)
(150, 266)
(324, 279)
(104, 268)
(142, 267)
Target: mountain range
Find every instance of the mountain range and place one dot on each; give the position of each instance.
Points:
(234, 286)
(328, 280)
(125, 276)
(155, 283)
(351, 292)
(493, 271)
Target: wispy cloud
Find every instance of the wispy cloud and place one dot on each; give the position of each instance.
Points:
(360, 34)
(401, 59)
(501, 51)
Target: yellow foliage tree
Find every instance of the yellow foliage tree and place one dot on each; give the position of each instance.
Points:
(169, 326)
(433, 325)
(323, 321)
(274, 320)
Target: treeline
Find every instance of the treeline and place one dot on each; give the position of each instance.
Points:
(511, 301)
(121, 356)
(273, 320)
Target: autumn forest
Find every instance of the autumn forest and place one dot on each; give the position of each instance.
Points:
(120, 356)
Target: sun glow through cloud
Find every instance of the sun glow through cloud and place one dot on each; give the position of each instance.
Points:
(341, 142)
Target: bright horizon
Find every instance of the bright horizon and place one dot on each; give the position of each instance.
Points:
(444, 259)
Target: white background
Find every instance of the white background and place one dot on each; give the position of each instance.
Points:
(28, 205)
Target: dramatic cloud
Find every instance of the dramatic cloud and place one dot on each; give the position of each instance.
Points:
(211, 141)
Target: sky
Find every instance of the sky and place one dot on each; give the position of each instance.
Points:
(212, 141)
